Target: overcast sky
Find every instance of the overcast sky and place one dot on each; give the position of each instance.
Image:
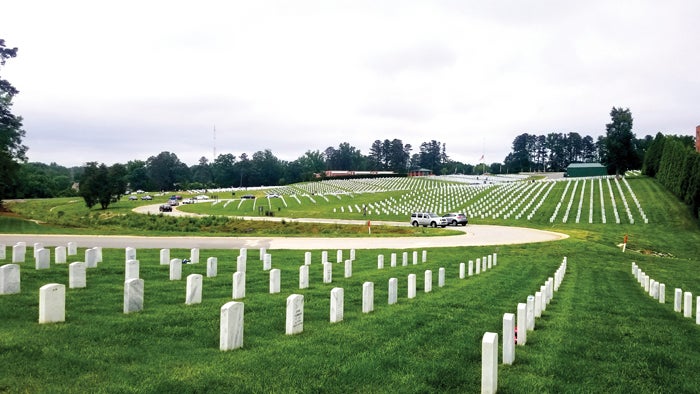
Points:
(118, 81)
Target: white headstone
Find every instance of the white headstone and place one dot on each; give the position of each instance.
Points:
(327, 272)
(424, 256)
(662, 293)
(131, 269)
(194, 289)
(495, 259)
(238, 285)
(380, 261)
(462, 270)
(687, 304)
(304, 277)
(367, 297)
(72, 249)
(231, 326)
(60, 254)
(538, 304)
(478, 266)
(352, 254)
(91, 257)
(530, 313)
(483, 264)
(508, 338)
(3, 251)
(337, 304)
(129, 254)
(275, 281)
(348, 268)
(267, 262)
(164, 256)
(489, 263)
(37, 246)
(243, 252)
(543, 291)
(77, 275)
(212, 267)
(677, 300)
(194, 256)
(263, 252)
(339, 256)
(98, 253)
(9, 279)
(295, 314)
(175, 269)
(324, 256)
(489, 363)
(43, 259)
(428, 285)
(133, 295)
(241, 263)
(18, 253)
(404, 259)
(307, 258)
(415, 257)
(522, 324)
(393, 259)
(52, 303)
(412, 286)
(393, 290)
(470, 268)
(441, 277)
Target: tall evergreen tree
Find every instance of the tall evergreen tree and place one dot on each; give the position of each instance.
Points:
(11, 133)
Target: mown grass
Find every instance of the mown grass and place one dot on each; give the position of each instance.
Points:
(601, 333)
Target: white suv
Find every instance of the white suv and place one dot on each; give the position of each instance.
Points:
(426, 219)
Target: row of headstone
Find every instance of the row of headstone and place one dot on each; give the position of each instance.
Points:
(682, 301)
(515, 328)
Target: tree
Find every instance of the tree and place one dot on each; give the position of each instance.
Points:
(224, 171)
(652, 157)
(432, 156)
(166, 171)
(11, 133)
(102, 185)
(620, 152)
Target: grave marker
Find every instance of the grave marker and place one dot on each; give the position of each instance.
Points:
(327, 272)
(241, 263)
(267, 262)
(194, 256)
(522, 324)
(175, 269)
(508, 338)
(238, 285)
(393, 290)
(461, 270)
(662, 293)
(530, 313)
(404, 259)
(72, 249)
(164, 256)
(412, 286)
(324, 256)
(9, 279)
(18, 253)
(441, 277)
(352, 254)
(263, 252)
(42, 258)
(538, 304)
(688, 304)
(91, 257)
(295, 314)
(339, 256)
(415, 257)
(489, 363)
(275, 281)
(478, 266)
(337, 304)
(425, 256)
(3, 252)
(304, 277)
(194, 289)
(60, 254)
(231, 326)
(470, 272)
(131, 269)
(212, 267)
(348, 268)
(77, 275)
(52, 303)
(129, 254)
(380, 261)
(307, 258)
(393, 260)
(428, 285)
(677, 300)
(133, 295)
(367, 297)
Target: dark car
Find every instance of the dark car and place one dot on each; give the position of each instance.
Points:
(456, 218)
(248, 197)
(165, 208)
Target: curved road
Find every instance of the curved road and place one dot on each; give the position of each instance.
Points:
(474, 235)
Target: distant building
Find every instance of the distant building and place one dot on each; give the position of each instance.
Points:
(576, 170)
(420, 172)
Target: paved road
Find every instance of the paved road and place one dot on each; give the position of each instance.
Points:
(474, 235)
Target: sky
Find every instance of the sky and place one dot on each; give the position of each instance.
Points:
(118, 81)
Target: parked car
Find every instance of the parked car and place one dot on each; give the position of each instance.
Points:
(456, 218)
(165, 208)
(189, 201)
(248, 197)
(133, 198)
(173, 202)
(146, 197)
(426, 219)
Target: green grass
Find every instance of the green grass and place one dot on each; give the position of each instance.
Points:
(601, 333)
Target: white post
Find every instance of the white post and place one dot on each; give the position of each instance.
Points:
(489, 363)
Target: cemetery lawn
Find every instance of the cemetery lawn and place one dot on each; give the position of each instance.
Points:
(600, 333)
